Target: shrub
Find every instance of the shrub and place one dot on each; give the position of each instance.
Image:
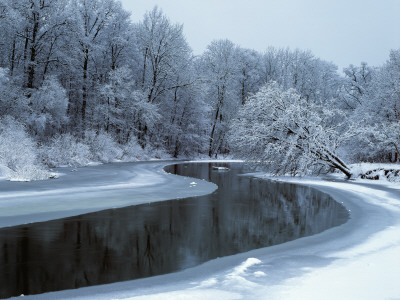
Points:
(18, 153)
(132, 151)
(102, 146)
(66, 150)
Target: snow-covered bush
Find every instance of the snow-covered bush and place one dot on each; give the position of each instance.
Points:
(102, 146)
(133, 151)
(66, 150)
(157, 152)
(18, 153)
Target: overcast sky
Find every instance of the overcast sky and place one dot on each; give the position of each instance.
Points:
(341, 31)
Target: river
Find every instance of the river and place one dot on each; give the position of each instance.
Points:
(139, 241)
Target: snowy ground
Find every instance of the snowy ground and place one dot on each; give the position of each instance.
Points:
(358, 260)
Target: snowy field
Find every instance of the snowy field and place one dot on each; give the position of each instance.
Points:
(358, 260)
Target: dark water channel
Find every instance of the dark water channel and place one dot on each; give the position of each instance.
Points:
(145, 240)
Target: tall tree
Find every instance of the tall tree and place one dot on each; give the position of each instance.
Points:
(164, 52)
(166, 75)
(250, 72)
(221, 73)
(92, 19)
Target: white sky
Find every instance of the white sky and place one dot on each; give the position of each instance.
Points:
(341, 31)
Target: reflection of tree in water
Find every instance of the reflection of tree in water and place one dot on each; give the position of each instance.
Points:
(157, 238)
(148, 252)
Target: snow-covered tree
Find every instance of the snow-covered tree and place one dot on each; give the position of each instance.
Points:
(123, 110)
(289, 133)
(164, 52)
(356, 85)
(34, 29)
(313, 78)
(185, 129)
(250, 72)
(378, 115)
(48, 108)
(92, 22)
(219, 65)
(12, 101)
(168, 79)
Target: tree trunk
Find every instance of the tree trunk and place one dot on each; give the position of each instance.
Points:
(32, 62)
(346, 171)
(26, 52)
(144, 67)
(176, 150)
(84, 89)
(46, 66)
(210, 149)
(243, 92)
(12, 62)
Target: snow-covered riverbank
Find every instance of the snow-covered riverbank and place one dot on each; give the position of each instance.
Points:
(358, 260)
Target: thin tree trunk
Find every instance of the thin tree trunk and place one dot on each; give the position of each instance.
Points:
(12, 63)
(46, 66)
(26, 52)
(210, 150)
(32, 62)
(84, 89)
(144, 68)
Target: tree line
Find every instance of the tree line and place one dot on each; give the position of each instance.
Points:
(81, 82)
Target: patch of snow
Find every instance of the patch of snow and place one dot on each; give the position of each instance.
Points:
(241, 269)
(208, 282)
(259, 274)
(220, 168)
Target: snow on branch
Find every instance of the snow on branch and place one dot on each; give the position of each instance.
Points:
(292, 134)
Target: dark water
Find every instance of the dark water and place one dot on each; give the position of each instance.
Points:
(140, 241)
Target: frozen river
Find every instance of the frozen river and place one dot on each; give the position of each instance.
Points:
(356, 260)
(158, 237)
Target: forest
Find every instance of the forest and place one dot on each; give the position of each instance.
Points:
(81, 83)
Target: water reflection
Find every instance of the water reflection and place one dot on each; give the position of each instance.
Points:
(121, 244)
